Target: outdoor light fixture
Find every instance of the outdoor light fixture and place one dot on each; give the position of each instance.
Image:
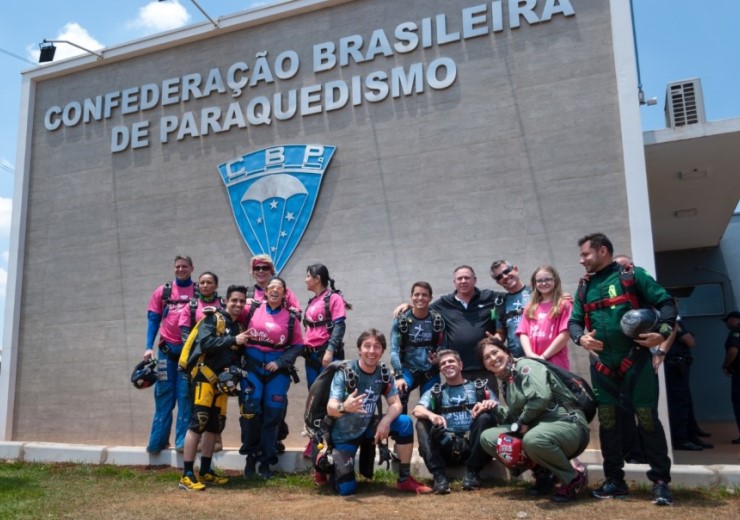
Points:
(202, 11)
(48, 49)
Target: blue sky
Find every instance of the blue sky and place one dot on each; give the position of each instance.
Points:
(677, 39)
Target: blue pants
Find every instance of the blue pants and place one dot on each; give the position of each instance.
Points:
(343, 478)
(172, 387)
(313, 360)
(267, 400)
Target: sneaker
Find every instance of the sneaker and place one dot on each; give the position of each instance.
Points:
(212, 478)
(471, 480)
(544, 483)
(569, 492)
(411, 485)
(188, 482)
(611, 488)
(250, 468)
(307, 450)
(265, 472)
(441, 485)
(661, 494)
(320, 478)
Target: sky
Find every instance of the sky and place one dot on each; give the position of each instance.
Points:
(676, 40)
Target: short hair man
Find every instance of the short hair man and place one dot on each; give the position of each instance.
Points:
(624, 368)
(166, 305)
(215, 351)
(511, 304)
(416, 336)
(356, 418)
(448, 431)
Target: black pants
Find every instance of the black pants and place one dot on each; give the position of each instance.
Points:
(437, 457)
(680, 404)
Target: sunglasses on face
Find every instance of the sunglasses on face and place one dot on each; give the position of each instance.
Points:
(262, 268)
(503, 273)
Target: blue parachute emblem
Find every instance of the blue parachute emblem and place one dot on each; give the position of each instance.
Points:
(273, 193)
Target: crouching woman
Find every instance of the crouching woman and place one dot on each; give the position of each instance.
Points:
(541, 411)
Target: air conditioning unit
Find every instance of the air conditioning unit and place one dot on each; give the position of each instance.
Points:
(684, 103)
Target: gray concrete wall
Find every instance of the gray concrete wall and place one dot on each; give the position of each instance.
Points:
(517, 159)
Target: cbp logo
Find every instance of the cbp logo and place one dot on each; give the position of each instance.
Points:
(273, 192)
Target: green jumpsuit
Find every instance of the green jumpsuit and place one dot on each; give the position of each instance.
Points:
(637, 384)
(538, 399)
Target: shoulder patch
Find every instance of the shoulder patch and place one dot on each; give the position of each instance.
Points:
(524, 371)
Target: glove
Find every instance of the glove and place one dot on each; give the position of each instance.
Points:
(440, 435)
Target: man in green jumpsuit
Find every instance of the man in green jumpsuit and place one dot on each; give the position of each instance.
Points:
(624, 368)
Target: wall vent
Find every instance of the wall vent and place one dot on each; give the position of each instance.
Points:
(684, 103)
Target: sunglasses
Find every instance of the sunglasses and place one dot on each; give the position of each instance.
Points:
(262, 268)
(503, 273)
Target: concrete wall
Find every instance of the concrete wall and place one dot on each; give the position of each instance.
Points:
(518, 158)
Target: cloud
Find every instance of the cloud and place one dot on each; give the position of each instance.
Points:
(5, 255)
(156, 17)
(6, 208)
(72, 32)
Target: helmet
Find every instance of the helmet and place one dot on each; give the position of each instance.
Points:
(510, 452)
(228, 381)
(145, 374)
(638, 321)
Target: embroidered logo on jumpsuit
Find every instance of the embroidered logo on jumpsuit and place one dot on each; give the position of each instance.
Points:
(273, 192)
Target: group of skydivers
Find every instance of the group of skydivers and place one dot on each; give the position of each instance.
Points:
(464, 352)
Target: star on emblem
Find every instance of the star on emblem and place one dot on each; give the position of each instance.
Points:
(274, 204)
(283, 234)
(259, 220)
(290, 216)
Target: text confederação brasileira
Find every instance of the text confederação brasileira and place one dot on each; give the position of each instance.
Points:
(244, 78)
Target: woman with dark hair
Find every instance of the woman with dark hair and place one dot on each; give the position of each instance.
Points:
(275, 342)
(542, 411)
(324, 321)
(205, 296)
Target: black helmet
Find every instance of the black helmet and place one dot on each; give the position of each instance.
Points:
(145, 374)
(228, 381)
(638, 321)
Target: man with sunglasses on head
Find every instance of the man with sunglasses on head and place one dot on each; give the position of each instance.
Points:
(510, 305)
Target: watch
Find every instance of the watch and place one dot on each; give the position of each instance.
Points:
(516, 427)
(340, 407)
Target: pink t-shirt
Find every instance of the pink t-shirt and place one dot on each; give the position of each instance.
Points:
(317, 336)
(169, 329)
(290, 299)
(185, 315)
(272, 329)
(542, 330)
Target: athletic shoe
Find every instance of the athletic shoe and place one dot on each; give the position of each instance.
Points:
(320, 478)
(189, 483)
(569, 492)
(661, 494)
(441, 485)
(611, 488)
(265, 472)
(307, 450)
(411, 485)
(544, 482)
(212, 478)
(250, 468)
(471, 480)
